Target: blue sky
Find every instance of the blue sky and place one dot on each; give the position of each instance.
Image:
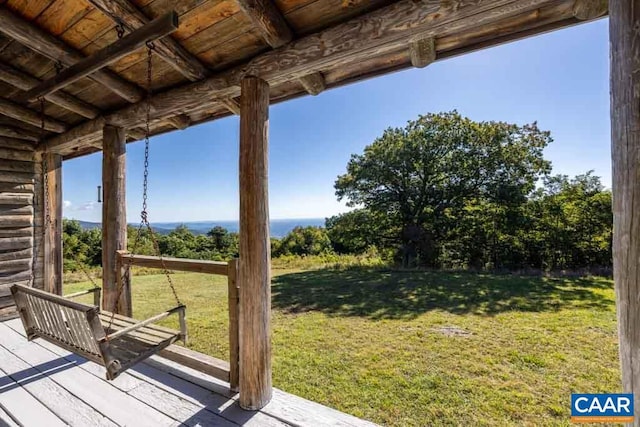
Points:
(560, 79)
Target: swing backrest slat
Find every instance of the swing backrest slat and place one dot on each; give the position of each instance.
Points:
(68, 324)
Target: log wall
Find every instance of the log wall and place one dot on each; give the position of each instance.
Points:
(20, 219)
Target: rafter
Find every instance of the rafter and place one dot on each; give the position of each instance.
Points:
(269, 20)
(156, 29)
(125, 13)
(25, 115)
(48, 46)
(25, 82)
(382, 31)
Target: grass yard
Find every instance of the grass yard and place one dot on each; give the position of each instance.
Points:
(420, 348)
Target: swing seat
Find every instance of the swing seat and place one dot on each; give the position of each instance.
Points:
(88, 332)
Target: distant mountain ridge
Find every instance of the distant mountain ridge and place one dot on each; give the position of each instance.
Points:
(279, 227)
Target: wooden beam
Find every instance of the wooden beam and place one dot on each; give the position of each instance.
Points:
(124, 12)
(26, 115)
(114, 217)
(422, 52)
(49, 46)
(232, 105)
(590, 9)
(313, 83)
(179, 264)
(254, 275)
(23, 81)
(269, 20)
(53, 229)
(624, 20)
(18, 133)
(156, 29)
(384, 30)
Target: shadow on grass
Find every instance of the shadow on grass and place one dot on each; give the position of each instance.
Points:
(392, 294)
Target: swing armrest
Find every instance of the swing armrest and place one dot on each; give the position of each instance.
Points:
(141, 324)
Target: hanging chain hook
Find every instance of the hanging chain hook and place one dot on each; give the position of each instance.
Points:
(120, 30)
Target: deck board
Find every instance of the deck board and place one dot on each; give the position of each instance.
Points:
(37, 379)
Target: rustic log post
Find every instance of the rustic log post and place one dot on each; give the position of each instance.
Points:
(114, 218)
(233, 325)
(625, 141)
(254, 264)
(53, 227)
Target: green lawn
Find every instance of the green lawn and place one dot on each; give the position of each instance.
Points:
(419, 348)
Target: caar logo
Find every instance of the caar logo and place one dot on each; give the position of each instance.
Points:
(602, 408)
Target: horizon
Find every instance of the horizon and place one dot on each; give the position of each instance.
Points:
(559, 79)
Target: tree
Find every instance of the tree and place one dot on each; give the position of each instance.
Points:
(304, 241)
(422, 175)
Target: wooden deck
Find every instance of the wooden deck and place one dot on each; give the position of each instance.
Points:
(41, 384)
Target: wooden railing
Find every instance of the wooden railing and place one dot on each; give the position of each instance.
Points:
(201, 362)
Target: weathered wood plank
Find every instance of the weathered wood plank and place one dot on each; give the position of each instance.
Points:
(156, 29)
(24, 81)
(18, 133)
(232, 105)
(16, 187)
(16, 166)
(25, 115)
(53, 229)
(106, 399)
(14, 210)
(114, 218)
(269, 20)
(15, 265)
(11, 278)
(14, 243)
(178, 264)
(11, 154)
(13, 255)
(123, 11)
(16, 199)
(16, 144)
(56, 50)
(254, 266)
(21, 404)
(378, 32)
(14, 177)
(200, 362)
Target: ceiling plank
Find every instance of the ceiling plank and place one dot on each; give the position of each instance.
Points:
(375, 33)
(269, 20)
(47, 45)
(156, 29)
(125, 13)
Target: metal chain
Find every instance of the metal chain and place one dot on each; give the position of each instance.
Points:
(144, 216)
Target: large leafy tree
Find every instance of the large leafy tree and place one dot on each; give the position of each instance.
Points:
(422, 176)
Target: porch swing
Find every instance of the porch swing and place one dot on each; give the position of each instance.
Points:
(114, 341)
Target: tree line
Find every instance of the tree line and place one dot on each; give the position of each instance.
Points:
(441, 192)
